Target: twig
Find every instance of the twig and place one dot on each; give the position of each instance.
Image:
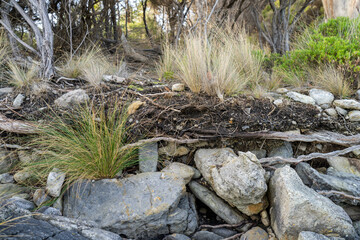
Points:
(66, 79)
(234, 236)
(224, 225)
(339, 194)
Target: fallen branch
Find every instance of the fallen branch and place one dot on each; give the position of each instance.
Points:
(16, 126)
(236, 236)
(339, 195)
(224, 225)
(303, 158)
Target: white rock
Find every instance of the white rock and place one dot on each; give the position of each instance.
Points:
(341, 111)
(301, 98)
(345, 165)
(184, 171)
(239, 180)
(282, 90)
(354, 116)
(18, 101)
(54, 182)
(5, 91)
(113, 78)
(350, 104)
(178, 87)
(278, 102)
(71, 98)
(331, 112)
(322, 97)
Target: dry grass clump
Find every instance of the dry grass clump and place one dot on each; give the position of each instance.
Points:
(90, 66)
(86, 145)
(22, 76)
(332, 80)
(166, 67)
(221, 63)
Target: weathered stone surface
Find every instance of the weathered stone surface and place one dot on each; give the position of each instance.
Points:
(142, 206)
(9, 190)
(178, 87)
(6, 178)
(54, 182)
(281, 90)
(49, 211)
(216, 204)
(284, 151)
(298, 97)
(177, 236)
(349, 104)
(259, 153)
(205, 235)
(341, 111)
(354, 116)
(18, 101)
(5, 91)
(72, 98)
(296, 208)
(7, 160)
(305, 235)
(345, 165)
(265, 218)
(40, 197)
(174, 150)
(278, 102)
(255, 233)
(224, 232)
(321, 97)
(21, 176)
(182, 170)
(21, 203)
(331, 112)
(113, 78)
(357, 227)
(239, 180)
(148, 157)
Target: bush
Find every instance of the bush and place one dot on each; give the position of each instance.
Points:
(85, 145)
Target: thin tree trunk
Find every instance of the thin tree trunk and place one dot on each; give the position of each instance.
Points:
(148, 34)
(129, 51)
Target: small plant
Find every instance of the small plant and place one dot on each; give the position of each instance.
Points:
(21, 76)
(166, 66)
(86, 145)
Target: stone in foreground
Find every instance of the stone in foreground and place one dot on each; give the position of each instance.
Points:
(143, 206)
(239, 180)
(54, 182)
(321, 97)
(315, 236)
(296, 208)
(349, 104)
(148, 157)
(298, 97)
(72, 98)
(182, 170)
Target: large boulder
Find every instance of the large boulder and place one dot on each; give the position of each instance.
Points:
(239, 180)
(143, 206)
(296, 208)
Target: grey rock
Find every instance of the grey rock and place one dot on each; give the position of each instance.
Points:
(72, 98)
(216, 204)
(18, 101)
(6, 178)
(345, 165)
(341, 111)
(21, 176)
(349, 104)
(49, 211)
(205, 235)
(352, 211)
(354, 116)
(21, 203)
(58, 204)
(174, 150)
(279, 102)
(182, 170)
(197, 174)
(5, 91)
(357, 227)
(177, 236)
(281, 90)
(331, 112)
(284, 151)
(256, 233)
(99, 234)
(259, 153)
(305, 235)
(143, 206)
(54, 182)
(321, 97)
(113, 78)
(9, 190)
(7, 160)
(239, 180)
(224, 232)
(148, 157)
(40, 197)
(298, 97)
(296, 208)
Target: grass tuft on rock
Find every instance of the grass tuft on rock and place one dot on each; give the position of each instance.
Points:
(86, 145)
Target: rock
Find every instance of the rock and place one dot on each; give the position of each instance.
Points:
(224, 232)
(284, 151)
(205, 235)
(305, 235)
(9, 190)
(49, 211)
(96, 233)
(54, 182)
(357, 227)
(58, 204)
(40, 197)
(197, 174)
(113, 78)
(281, 90)
(349, 104)
(255, 233)
(21, 203)
(24, 157)
(7, 160)
(239, 180)
(265, 218)
(259, 153)
(148, 157)
(341, 111)
(143, 206)
(216, 204)
(5, 91)
(72, 98)
(333, 180)
(356, 152)
(296, 208)
(352, 211)
(184, 171)
(301, 98)
(354, 116)
(177, 236)
(174, 150)
(18, 101)
(6, 178)
(178, 87)
(331, 112)
(345, 165)
(321, 97)
(21, 176)
(278, 102)
(134, 106)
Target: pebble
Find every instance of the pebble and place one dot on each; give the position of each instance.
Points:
(278, 102)
(178, 87)
(298, 97)
(281, 90)
(341, 111)
(255, 233)
(350, 104)
(6, 178)
(354, 116)
(18, 100)
(331, 112)
(40, 197)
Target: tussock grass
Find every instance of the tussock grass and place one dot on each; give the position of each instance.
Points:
(332, 80)
(86, 145)
(21, 76)
(165, 69)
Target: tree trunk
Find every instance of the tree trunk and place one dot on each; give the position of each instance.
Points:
(129, 51)
(148, 34)
(341, 8)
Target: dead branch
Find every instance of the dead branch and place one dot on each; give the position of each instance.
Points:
(224, 225)
(16, 126)
(303, 158)
(236, 236)
(338, 194)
